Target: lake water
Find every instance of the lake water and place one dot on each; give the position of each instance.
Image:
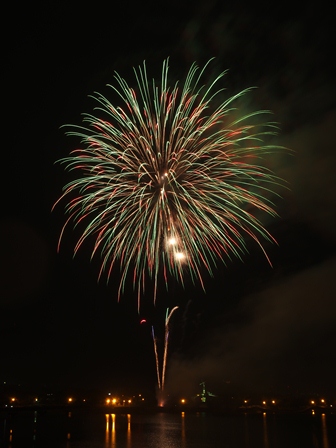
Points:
(95, 429)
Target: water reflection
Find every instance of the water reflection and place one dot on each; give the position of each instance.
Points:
(165, 430)
(107, 428)
(68, 436)
(265, 433)
(34, 426)
(128, 430)
(111, 430)
(183, 434)
(325, 441)
(246, 432)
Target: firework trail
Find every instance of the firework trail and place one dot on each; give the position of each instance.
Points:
(156, 359)
(161, 377)
(170, 180)
(168, 317)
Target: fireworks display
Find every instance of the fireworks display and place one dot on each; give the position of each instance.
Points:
(169, 180)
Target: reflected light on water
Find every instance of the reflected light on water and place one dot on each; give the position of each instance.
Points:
(107, 429)
(113, 429)
(265, 433)
(68, 437)
(34, 427)
(129, 431)
(325, 440)
(68, 444)
(247, 439)
(167, 430)
(183, 434)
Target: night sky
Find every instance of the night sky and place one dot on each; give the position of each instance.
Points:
(257, 328)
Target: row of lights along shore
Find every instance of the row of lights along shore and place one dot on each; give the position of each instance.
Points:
(116, 400)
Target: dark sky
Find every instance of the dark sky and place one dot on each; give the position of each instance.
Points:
(257, 327)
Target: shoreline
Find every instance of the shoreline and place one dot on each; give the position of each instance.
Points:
(252, 410)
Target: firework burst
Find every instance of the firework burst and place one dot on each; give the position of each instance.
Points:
(169, 180)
